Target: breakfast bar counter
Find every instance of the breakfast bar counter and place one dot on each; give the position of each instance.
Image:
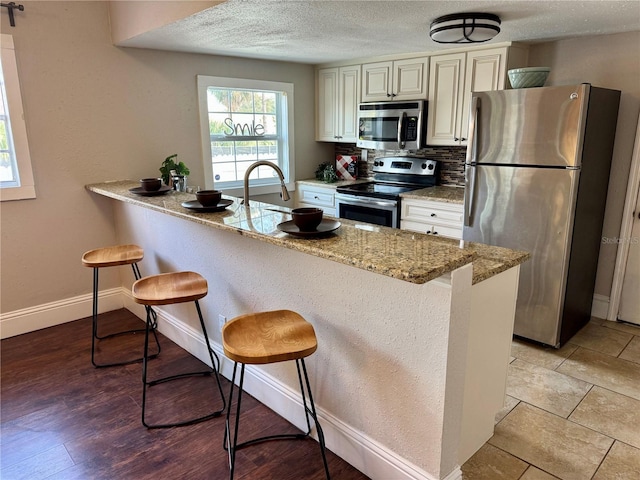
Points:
(403, 255)
(414, 331)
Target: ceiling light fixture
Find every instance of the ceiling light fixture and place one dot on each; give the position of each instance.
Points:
(465, 28)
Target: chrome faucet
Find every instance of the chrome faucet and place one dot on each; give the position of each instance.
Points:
(285, 193)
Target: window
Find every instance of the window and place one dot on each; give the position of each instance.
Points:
(16, 176)
(245, 121)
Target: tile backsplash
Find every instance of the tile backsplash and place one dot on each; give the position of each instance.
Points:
(451, 160)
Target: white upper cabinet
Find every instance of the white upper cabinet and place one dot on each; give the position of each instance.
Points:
(395, 80)
(337, 100)
(453, 78)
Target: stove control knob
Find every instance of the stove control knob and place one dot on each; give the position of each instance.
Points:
(381, 163)
(424, 165)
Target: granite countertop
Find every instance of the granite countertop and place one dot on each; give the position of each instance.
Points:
(404, 255)
(438, 194)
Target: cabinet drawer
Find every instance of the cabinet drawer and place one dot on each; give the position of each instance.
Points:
(432, 212)
(432, 229)
(317, 196)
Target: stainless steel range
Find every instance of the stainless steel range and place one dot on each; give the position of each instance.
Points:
(378, 201)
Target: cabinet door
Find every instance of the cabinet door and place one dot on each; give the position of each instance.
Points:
(326, 105)
(348, 99)
(485, 71)
(376, 81)
(410, 79)
(446, 89)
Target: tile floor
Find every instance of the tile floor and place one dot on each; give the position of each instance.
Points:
(571, 413)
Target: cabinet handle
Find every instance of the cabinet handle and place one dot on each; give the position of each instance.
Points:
(388, 94)
(435, 233)
(393, 94)
(434, 215)
(463, 139)
(316, 197)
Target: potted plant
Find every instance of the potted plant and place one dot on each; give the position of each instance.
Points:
(326, 173)
(170, 165)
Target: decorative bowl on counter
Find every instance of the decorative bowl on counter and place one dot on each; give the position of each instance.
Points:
(307, 219)
(151, 184)
(208, 198)
(528, 77)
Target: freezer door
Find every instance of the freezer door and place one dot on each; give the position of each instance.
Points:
(529, 126)
(528, 209)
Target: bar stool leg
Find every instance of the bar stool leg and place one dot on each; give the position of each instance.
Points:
(212, 371)
(313, 414)
(94, 317)
(231, 445)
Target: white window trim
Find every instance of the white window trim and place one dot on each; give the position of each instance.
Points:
(27, 187)
(203, 82)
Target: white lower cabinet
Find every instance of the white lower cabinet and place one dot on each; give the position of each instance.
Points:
(432, 217)
(316, 196)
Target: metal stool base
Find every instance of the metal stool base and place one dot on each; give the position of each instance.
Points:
(213, 371)
(94, 317)
(231, 446)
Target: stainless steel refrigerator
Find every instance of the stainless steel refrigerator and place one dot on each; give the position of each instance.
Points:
(536, 177)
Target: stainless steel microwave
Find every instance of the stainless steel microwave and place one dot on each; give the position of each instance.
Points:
(392, 125)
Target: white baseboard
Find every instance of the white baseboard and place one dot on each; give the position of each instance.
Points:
(364, 453)
(56, 313)
(600, 306)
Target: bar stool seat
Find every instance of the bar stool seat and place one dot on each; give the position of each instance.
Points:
(167, 289)
(111, 257)
(263, 338)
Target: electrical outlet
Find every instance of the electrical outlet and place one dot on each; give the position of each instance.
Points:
(222, 320)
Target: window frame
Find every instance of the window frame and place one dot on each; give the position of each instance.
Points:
(26, 185)
(287, 165)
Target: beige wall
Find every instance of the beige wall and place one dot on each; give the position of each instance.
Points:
(610, 61)
(95, 112)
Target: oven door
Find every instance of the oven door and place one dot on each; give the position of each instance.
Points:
(368, 209)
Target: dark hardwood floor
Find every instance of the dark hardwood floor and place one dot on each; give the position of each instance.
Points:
(61, 418)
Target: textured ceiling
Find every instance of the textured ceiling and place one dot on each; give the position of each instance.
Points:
(322, 31)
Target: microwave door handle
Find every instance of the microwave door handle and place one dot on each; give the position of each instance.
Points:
(401, 122)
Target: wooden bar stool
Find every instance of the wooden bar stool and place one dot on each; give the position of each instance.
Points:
(111, 257)
(269, 337)
(167, 289)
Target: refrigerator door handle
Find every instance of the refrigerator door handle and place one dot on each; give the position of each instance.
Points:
(470, 168)
(472, 146)
(469, 192)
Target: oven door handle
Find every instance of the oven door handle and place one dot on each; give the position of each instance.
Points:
(353, 200)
